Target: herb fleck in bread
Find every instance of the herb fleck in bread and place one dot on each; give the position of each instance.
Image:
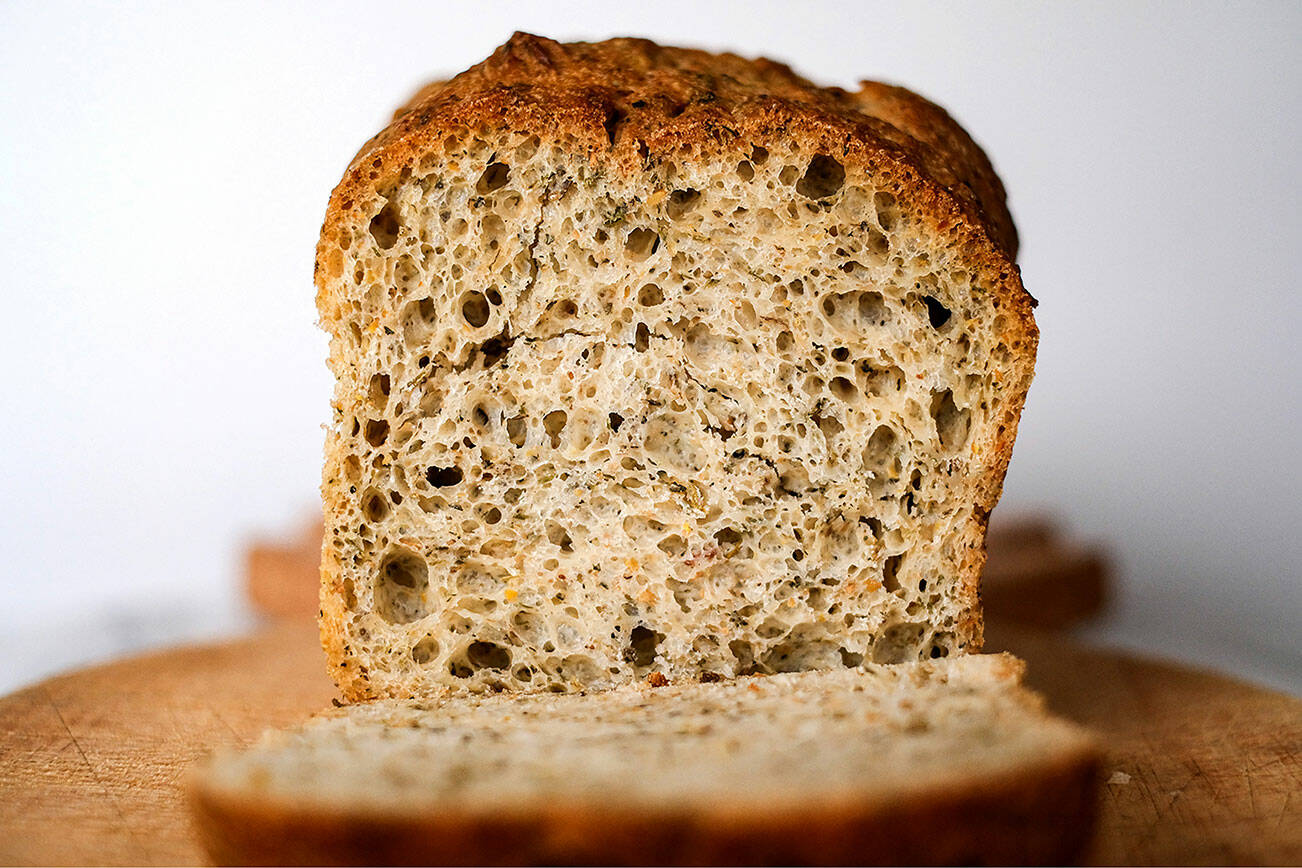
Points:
(947, 761)
(652, 360)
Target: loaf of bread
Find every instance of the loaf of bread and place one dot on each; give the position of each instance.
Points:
(947, 761)
(650, 360)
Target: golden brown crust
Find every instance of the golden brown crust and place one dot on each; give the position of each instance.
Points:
(951, 156)
(629, 104)
(1042, 815)
(631, 101)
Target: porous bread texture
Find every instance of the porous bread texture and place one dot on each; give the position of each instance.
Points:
(650, 360)
(782, 739)
(744, 761)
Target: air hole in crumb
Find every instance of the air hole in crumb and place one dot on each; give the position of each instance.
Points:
(379, 390)
(844, 389)
(877, 243)
(951, 423)
(758, 155)
(897, 644)
(872, 308)
(941, 643)
(744, 653)
(880, 448)
(728, 537)
(495, 349)
(745, 170)
(641, 243)
(887, 210)
(494, 177)
(823, 178)
(374, 505)
(559, 536)
(615, 421)
(405, 570)
(400, 587)
(642, 642)
(554, 424)
(515, 430)
(874, 526)
(829, 425)
(493, 515)
(385, 226)
(673, 545)
(425, 650)
(443, 477)
(891, 572)
(474, 309)
(788, 175)
(849, 659)
(488, 655)
(681, 203)
(377, 431)
(650, 295)
(494, 297)
(937, 313)
(840, 354)
(641, 337)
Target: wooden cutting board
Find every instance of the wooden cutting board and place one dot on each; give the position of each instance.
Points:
(1200, 769)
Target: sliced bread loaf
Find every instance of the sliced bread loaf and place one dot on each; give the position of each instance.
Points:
(652, 360)
(948, 761)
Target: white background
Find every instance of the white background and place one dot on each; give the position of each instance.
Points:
(164, 170)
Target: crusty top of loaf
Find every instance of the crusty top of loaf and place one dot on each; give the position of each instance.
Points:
(628, 99)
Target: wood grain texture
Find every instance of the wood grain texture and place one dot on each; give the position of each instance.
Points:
(92, 764)
(1200, 769)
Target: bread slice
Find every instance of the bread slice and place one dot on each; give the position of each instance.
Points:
(947, 761)
(653, 360)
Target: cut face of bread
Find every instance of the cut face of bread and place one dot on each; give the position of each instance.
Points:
(946, 761)
(650, 360)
